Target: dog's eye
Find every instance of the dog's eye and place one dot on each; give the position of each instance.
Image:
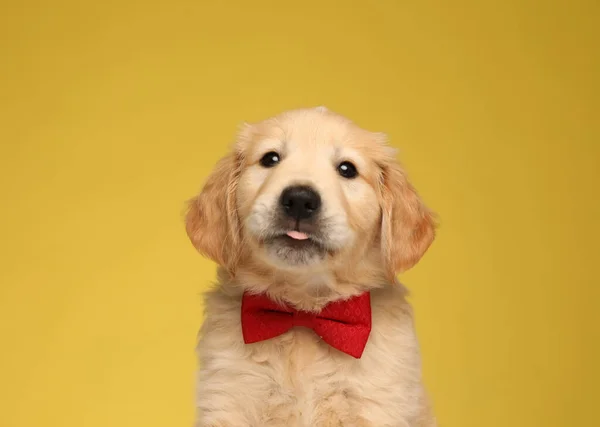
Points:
(270, 159)
(347, 170)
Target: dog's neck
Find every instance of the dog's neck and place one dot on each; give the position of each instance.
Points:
(307, 289)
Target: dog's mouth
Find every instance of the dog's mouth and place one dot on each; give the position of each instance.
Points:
(297, 240)
(295, 247)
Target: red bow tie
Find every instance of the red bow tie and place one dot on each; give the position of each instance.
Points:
(344, 325)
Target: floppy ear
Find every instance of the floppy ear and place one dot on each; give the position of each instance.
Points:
(407, 227)
(211, 221)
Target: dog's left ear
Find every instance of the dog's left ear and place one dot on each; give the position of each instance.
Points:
(408, 226)
(211, 221)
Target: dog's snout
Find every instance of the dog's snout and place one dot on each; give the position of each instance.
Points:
(300, 202)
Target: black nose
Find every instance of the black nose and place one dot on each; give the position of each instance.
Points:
(300, 202)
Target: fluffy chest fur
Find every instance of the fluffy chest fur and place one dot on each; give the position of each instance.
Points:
(296, 380)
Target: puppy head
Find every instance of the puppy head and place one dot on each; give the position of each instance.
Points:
(309, 189)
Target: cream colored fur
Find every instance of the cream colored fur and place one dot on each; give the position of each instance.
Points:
(376, 226)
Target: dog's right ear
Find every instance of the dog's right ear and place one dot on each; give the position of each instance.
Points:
(211, 222)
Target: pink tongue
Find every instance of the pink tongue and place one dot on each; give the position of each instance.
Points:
(297, 235)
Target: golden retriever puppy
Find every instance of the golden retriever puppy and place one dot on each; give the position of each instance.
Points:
(309, 218)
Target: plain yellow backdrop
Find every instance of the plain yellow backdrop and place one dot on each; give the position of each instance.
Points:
(112, 114)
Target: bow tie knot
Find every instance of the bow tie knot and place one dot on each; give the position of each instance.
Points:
(344, 325)
(304, 319)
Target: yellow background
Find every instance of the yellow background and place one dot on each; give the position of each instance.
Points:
(112, 114)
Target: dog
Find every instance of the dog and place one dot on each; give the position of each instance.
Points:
(309, 218)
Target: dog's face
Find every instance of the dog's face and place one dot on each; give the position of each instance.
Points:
(309, 188)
